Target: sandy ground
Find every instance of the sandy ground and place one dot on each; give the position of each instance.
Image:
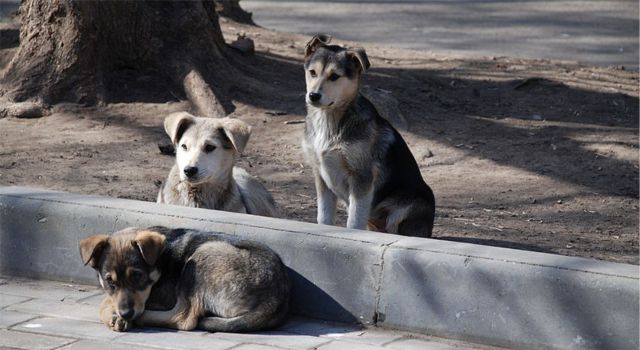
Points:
(527, 154)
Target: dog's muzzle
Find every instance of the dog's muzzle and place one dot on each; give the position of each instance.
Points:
(191, 172)
(314, 97)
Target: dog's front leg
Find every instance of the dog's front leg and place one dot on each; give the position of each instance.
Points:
(360, 198)
(110, 317)
(327, 202)
(359, 210)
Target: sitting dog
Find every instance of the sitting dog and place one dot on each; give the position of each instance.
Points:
(187, 279)
(204, 175)
(356, 155)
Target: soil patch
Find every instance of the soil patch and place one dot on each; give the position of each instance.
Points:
(527, 154)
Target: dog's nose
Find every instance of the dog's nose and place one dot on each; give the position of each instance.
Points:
(314, 96)
(190, 171)
(127, 314)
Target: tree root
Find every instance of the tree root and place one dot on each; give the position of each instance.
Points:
(26, 109)
(201, 95)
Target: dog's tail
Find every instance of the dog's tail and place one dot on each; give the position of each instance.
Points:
(251, 321)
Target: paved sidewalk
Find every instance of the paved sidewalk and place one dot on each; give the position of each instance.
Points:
(37, 314)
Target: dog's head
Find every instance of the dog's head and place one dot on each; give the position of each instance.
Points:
(206, 148)
(332, 72)
(126, 266)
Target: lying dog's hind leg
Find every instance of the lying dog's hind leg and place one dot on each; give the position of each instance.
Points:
(251, 321)
(221, 324)
(183, 316)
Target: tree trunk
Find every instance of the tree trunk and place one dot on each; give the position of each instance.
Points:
(99, 51)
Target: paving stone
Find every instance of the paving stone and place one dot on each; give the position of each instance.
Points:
(47, 290)
(6, 300)
(316, 328)
(55, 308)
(275, 338)
(98, 345)
(77, 317)
(68, 327)
(419, 344)
(256, 347)
(342, 345)
(367, 336)
(20, 340)
(10, 318)
(94, 300)
(175, 340)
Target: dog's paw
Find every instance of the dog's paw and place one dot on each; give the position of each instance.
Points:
(118, 324)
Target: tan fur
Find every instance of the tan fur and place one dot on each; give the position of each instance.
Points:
(150, 244)
(219, 185)
(89, 248)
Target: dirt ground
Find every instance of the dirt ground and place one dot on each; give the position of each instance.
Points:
(527, 154)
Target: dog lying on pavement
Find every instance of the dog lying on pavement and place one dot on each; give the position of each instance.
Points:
(187, 279)
(204, 175)
(356, 155)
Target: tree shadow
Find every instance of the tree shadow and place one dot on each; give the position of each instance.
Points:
(9, 38)
(454, 107)
(444, 106)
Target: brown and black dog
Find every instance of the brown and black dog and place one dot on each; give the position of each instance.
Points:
(187, 279)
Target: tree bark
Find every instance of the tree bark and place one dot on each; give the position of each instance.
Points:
(87, 51)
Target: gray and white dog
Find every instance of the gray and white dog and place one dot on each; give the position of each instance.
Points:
(204, 175)
(356, 155)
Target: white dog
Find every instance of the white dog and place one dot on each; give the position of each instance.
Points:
(204, 175)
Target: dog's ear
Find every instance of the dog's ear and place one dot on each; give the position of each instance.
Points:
(150, 244)
(316, 42)
(237, 131)
(359, 56)
(176, 124)
(91, 249)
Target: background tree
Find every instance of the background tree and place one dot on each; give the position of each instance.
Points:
(89, 52)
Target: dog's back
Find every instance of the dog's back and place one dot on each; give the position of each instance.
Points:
(401, 184)
(402, 202)
(256, 198)
(231, 276)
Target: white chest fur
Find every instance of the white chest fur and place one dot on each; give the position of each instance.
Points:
(323, 150)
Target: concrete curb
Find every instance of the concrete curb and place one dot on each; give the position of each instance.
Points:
(477, 293)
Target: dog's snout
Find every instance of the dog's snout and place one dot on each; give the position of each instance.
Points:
(190, 171)
(314, 96)
(127, 314)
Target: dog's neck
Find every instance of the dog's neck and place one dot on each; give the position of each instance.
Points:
(331, 117)
(211, 192)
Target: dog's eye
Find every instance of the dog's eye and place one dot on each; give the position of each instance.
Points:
(334, 77)
(136, 275)
(184, 147)
(312, 73)
(110, 282)
(209, 148)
